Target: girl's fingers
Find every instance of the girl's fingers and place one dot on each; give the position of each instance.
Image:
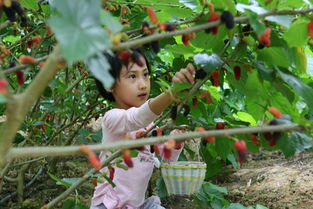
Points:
(188, 75)
(180, 77)
(185, 75)
(191, 68)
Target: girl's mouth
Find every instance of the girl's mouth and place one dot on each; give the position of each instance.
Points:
(142, 96)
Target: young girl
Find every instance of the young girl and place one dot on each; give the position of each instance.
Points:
(134, 112)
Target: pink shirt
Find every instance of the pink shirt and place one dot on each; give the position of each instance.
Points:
(131, 184)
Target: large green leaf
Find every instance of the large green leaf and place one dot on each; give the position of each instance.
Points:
(260, 207)
(283, 20)
(279, 19)
(256, 24)
(208, 62)
(243, 116)
(305, 91)
(296, 142)
(265, 72)
(60, 181)
(78, 29)
(192, 4)
(209, 41)
(29, 4)
(222, 147)
(297, 35)
(99, 67)
(274, 56)
(11, 39)
(180, 49)
(3, 99)
(232, 159)
(235, 206)
(73, 204)
(230, 4)
(108, 20)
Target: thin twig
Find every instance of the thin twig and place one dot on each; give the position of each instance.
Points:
(5, 24)
(3, 200)
(23, 66)
(80, 181)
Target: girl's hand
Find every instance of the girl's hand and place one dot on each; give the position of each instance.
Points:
(179, 145)
(185, 75)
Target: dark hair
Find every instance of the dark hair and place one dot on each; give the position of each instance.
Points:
(115, 70)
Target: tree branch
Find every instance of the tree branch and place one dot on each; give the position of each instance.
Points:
(75, 150)
(23, 66)
(158, 36)
(21, 104)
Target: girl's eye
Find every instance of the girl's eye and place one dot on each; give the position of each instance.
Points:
(132, 76)
(146, 74)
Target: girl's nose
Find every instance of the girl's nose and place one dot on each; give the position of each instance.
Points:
(143, 84)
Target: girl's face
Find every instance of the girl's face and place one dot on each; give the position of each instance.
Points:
(132, 88)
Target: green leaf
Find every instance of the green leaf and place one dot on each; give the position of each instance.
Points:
(11, 39)
(177, 87)
(305, 91)
(230, 4)
(235, 206)
(179, 49)
(64, 183)
(192, 4)
(80, 33)
(212, 188)
(222, 147)
(256, 24)
(266, 73)
(300, 59)
(109, 180)
(46, 9)
(107, 19)
(3, 99)
(283, 20)
(119, 165)
(243, 116)
(231, 158)
(29, 4)
(296, 142)
(161, 188)
(297, 35)
(210, 41)
(73, 204)
(256, 9)
(208, 62)
(260, 207)
(99, 67)
(274, 56)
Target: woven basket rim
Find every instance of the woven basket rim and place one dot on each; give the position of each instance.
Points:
(184, 164)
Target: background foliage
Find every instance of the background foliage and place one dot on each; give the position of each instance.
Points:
(279, 75)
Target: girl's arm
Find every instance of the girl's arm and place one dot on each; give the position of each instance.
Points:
(159, 103)
(118, 121)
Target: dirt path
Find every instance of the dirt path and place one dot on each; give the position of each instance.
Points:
(275, 182)
(267, 179)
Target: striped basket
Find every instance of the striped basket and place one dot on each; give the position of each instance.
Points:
(183, 177)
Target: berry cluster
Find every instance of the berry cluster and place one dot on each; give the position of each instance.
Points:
(34, 41)
(265, 37)
(11, 8)
(93, 159)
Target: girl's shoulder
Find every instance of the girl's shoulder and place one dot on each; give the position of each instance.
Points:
(113, 112)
